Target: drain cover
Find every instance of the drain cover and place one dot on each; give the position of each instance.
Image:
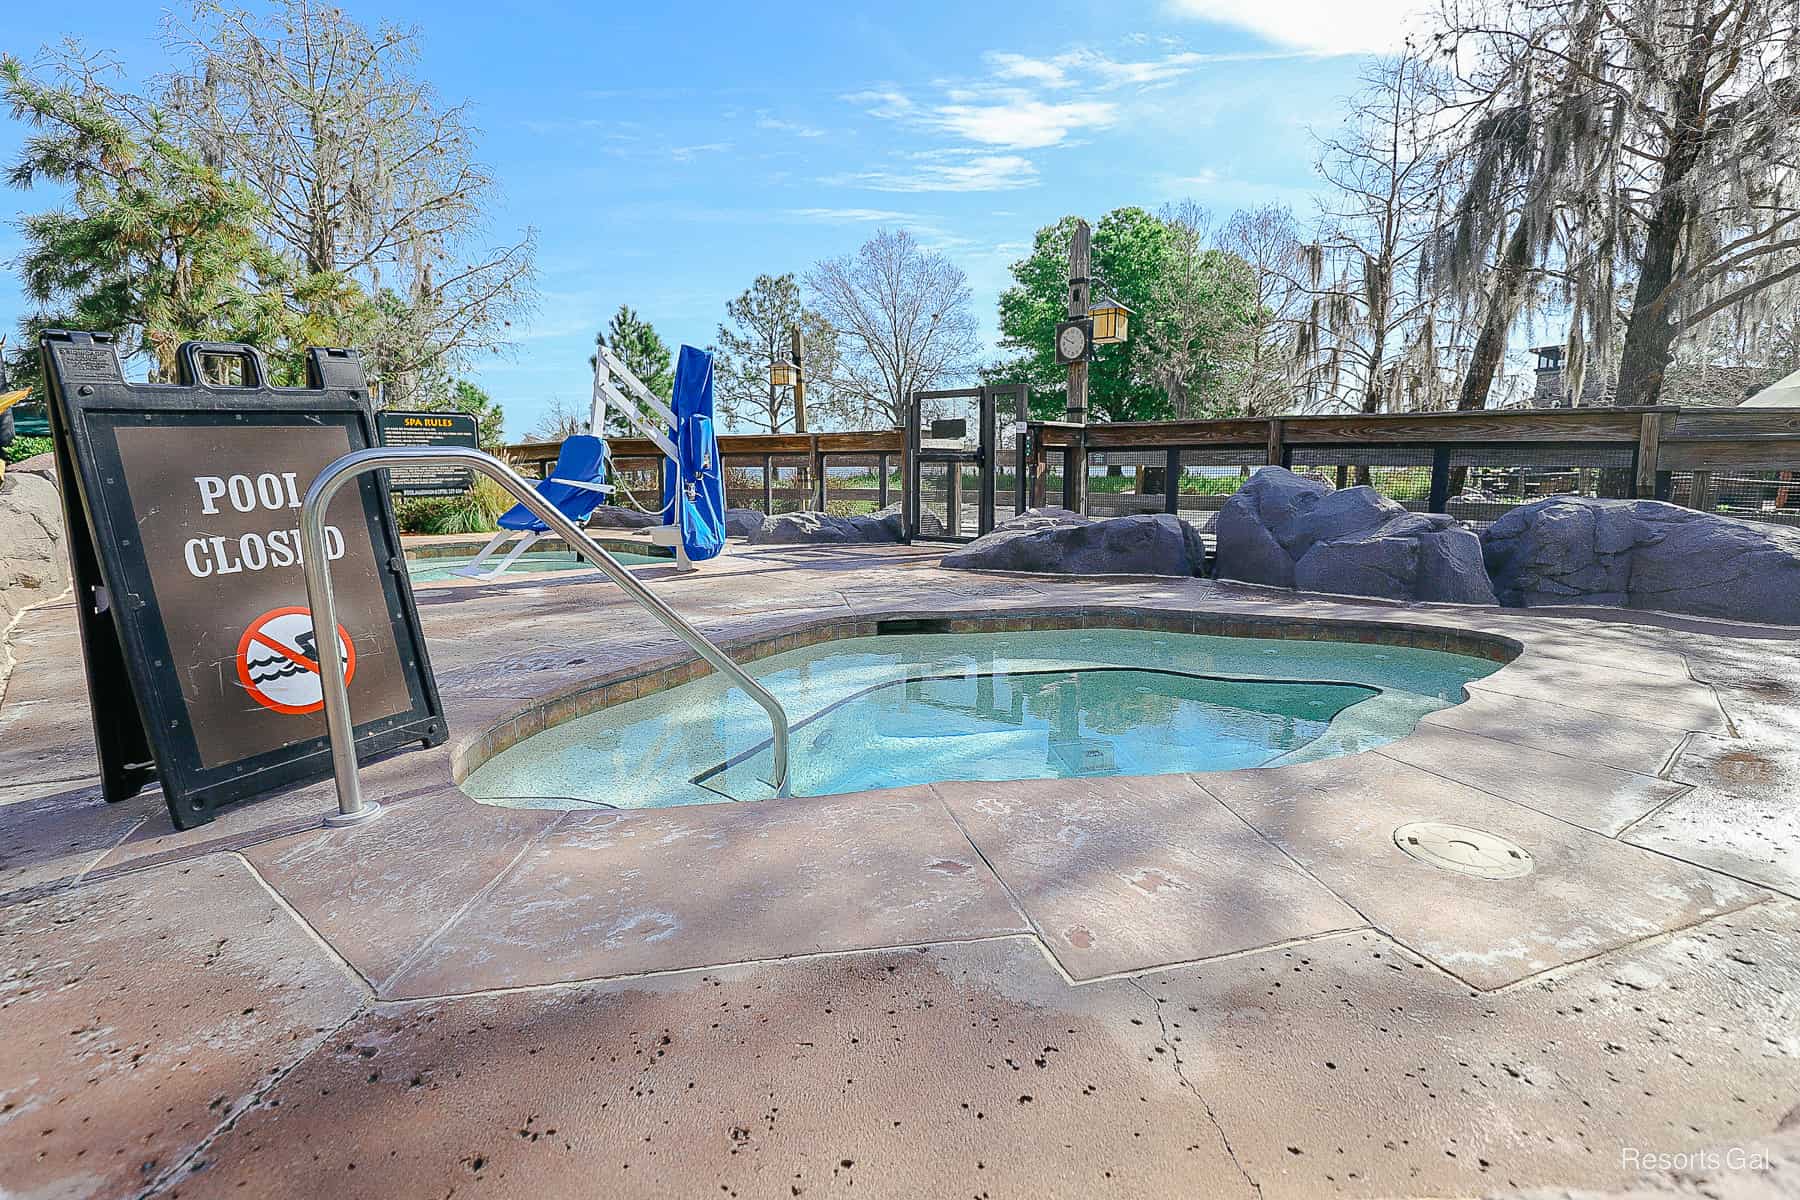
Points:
(1459, 848)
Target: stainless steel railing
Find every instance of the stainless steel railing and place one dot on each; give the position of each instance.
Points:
(352, 808)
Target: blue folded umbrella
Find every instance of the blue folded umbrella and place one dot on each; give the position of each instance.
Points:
(697, 485)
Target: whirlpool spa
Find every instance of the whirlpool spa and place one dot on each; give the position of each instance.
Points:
(909, 705)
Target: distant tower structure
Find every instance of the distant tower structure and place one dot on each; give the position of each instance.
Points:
(1552, 390)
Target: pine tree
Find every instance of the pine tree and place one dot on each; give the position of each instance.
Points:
(644, 354)
(154, 246)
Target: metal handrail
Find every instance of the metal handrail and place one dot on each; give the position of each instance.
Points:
(352, 808)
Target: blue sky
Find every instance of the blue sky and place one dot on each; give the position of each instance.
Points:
(667, 154)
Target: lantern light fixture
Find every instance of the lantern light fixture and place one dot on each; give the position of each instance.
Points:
(1111, 319)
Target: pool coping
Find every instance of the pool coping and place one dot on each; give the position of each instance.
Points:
(609, 688)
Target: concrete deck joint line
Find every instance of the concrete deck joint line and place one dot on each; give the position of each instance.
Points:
(1730, 724)
(381, 1003)
(1488, 791)
(1311, 939)
(1577, 965)
(1297, 864)
(1686, 790)
(1012, 897)
(307, 927)
(485, 890)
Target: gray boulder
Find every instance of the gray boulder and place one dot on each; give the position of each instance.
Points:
(1286, 531)
(816, 528)
(1644, 554)
(1057, 541)
(612, 516)
(930, 524)
(33, 564)
(743, 522)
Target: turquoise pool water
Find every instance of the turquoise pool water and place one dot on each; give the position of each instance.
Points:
(430, 570)
(1044, 704)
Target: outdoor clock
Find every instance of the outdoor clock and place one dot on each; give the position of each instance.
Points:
(1074, 340)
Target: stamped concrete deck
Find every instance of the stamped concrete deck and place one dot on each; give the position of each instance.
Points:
(1214, 985)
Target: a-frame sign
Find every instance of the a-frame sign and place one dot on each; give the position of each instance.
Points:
(182, 503)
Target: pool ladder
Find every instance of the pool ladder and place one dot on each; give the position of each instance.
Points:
(352, 808)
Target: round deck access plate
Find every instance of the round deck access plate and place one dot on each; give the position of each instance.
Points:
(1464, 850)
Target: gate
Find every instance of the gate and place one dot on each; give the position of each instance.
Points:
(956, 452)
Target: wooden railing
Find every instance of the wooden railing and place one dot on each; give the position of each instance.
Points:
(1736, 460)
(776, 472)
(1663, 452)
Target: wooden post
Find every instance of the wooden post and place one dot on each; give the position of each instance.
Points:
(1438, 499)
(1702, 498)
(1649, 449)
(797, 348)
(1075, 471)
(1040, 470)
(953, 497)
(1080, 260)
(1274, 455)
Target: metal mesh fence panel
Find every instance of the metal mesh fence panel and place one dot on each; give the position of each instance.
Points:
(1123, 482)
(744, 483)
(1487, 482)
(894, 468)
(1749, 494)
(642, 478)
(1209, 477)
(1401, 473)
(793, 484)
(935, 481)
(852, 484)
(1056, 469)
(967, 509)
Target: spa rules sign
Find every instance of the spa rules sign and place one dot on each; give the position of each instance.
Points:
(194, 614)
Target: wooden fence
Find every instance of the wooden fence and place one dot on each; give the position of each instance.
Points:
(1744, 462)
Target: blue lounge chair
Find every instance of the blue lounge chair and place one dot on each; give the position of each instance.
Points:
(576, 486)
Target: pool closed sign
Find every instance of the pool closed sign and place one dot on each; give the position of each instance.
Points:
(193, 600)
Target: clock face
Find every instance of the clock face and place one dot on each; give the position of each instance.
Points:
(1072, 342)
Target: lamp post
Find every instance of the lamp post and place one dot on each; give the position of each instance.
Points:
(1088, 325)
(1080, 257)
(791, 372)
(797, 351)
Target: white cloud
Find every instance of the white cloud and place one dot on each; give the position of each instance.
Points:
(1045, 72)
(777, 125)
(1021, 104)
(1020, 123)
(1321, 26)
(688, 153)
(949, 173)
(854, 216)
(882, 102)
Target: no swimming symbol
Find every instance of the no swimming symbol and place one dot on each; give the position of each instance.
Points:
(278, 661)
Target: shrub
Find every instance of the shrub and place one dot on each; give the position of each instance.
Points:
(22, 448)
(475, 511)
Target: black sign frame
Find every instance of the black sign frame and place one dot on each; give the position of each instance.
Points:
(429, 482)
(125, 647)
